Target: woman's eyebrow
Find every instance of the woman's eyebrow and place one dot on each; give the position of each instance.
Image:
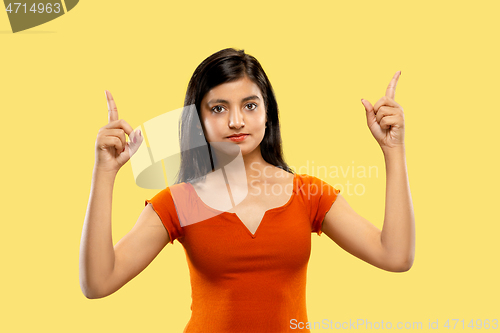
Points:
(224, 101)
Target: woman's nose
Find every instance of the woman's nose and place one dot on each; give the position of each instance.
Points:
(236, 119)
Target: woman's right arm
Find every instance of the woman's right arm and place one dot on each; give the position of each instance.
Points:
(105, 268)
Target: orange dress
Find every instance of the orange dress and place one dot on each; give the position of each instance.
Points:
(244, 282)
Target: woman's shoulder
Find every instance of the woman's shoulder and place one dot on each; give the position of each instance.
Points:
(276, 175)
(312, 185)
(310, 178)
(306, 178)
(169, 191)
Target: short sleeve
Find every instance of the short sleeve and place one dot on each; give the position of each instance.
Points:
(163, 205)
(321, 198)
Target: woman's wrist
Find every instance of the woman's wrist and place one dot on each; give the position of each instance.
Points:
(394, 151)
(103, 174)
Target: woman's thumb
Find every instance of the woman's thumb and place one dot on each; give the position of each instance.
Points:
(370, 115)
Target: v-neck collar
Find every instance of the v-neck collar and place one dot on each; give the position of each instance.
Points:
(234, 215)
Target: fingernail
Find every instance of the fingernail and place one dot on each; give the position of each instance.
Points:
(134, 139)
(140, 133)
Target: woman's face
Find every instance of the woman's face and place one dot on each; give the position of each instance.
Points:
(235, 107)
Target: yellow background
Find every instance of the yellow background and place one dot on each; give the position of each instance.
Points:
(322, 57)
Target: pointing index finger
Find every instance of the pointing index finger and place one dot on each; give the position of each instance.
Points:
(391, 88)
(112, 110)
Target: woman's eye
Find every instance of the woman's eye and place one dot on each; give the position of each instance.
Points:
(217, 109)
(253, 106)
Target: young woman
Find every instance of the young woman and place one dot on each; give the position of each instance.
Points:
(247, 263)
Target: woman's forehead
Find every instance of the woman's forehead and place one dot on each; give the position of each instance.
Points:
(234, 91)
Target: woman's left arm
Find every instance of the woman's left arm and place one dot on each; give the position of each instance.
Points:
(393, 247)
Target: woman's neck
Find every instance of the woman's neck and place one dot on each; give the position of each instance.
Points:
(255, 167)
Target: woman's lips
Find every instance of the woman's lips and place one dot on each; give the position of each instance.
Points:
(238, 138)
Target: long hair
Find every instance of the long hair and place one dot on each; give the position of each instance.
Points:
(224, 66)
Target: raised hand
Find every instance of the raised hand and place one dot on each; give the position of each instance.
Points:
(112, 148)
(386, 118)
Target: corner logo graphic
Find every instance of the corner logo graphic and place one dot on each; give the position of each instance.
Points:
(28, 14)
